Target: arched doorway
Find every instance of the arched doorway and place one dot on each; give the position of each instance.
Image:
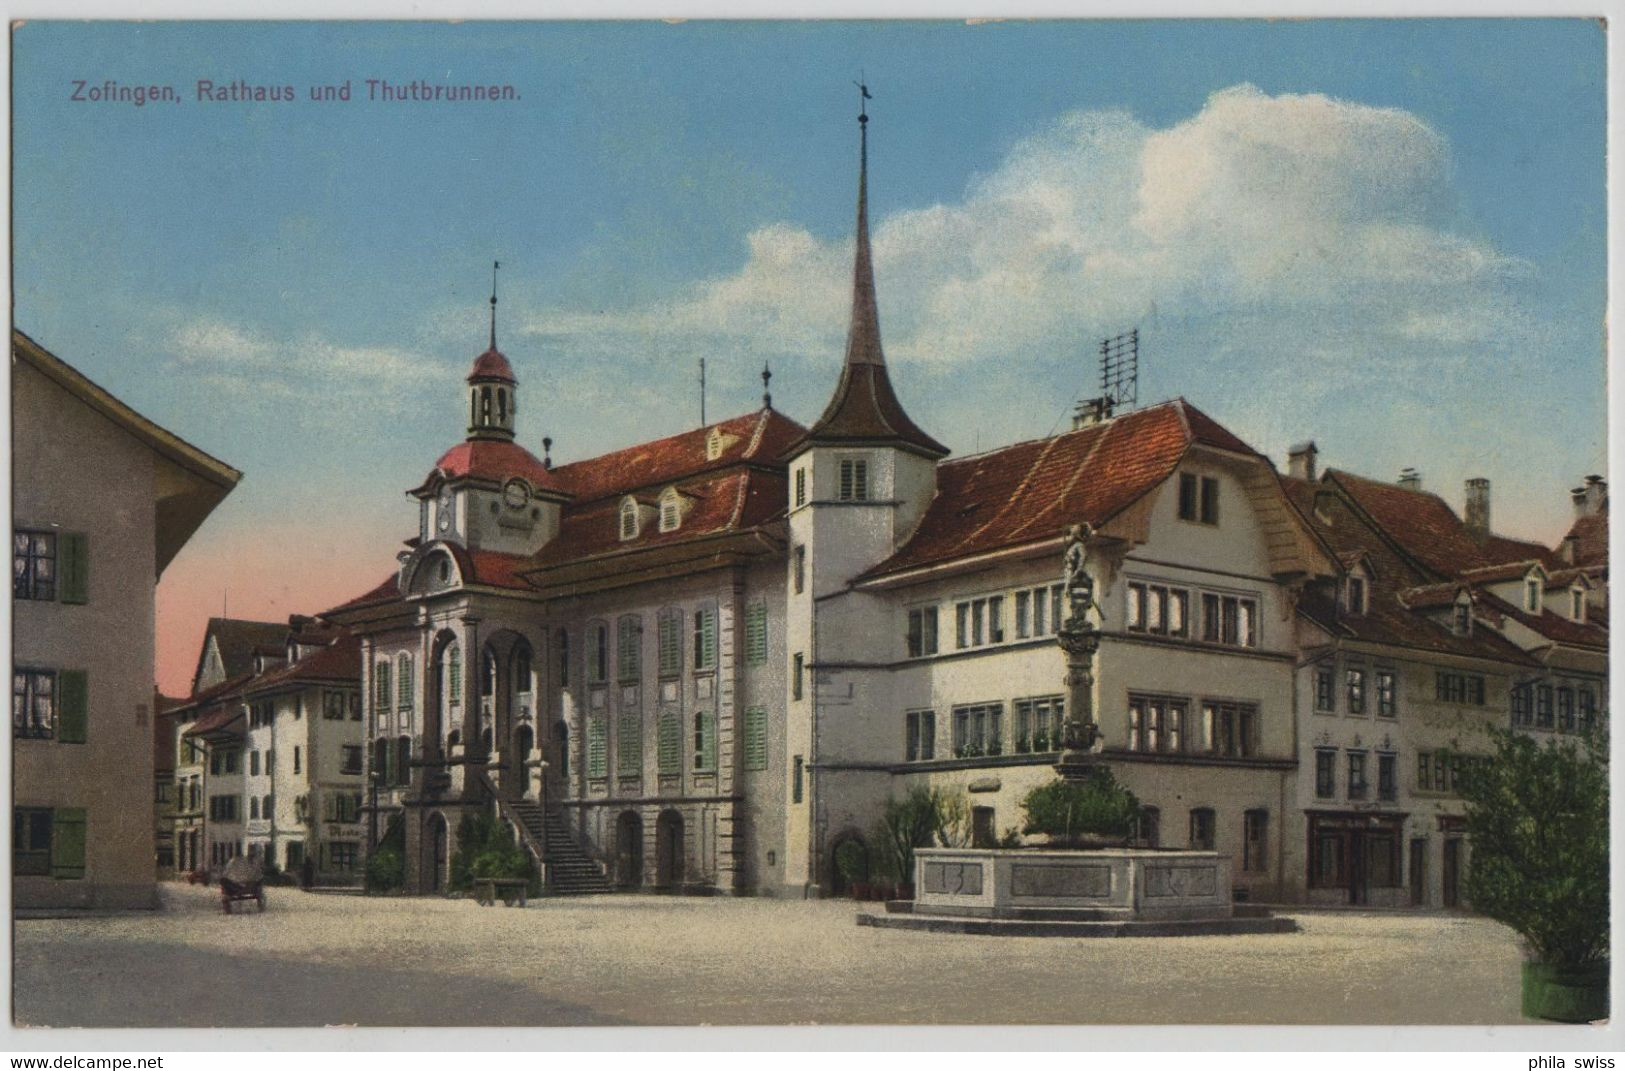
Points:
(438, 853)
(629, 850)
(524, 741)
(669, 850)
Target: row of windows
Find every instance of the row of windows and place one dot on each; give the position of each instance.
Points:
(981, 621)
(669, 743)
(1159, 724)
(50, 566)
(1564, 708)
(668, 645)
(1356, 700)
(50, 705)
(1204, 833)
(1357, 784)
(1164, 610)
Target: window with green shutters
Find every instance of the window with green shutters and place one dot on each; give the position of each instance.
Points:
(756, 634)
(597, 747)
(454, 667)
(403, 685)
(705, 638)
(756, 739)
(670, 743)
(629, 744)
(628, 650)
(73, 566)
(68, 842)
(670, 635)
(380, 684)
(705, 741)
(73, 710)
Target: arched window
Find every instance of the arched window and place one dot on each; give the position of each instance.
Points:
(671, 510)
(629, 519)
(454, 674)
(403, 683)
(488, 675)
(382, 762)
(485, 405)
(521, 669)
(502, 406)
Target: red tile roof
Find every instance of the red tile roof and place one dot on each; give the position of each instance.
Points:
(1427, 529)
(730, 501)
(1554, 627)
(760, 439)
(1590, 534)
(385, 591)
(341, 661)
(1035, 490)
(497, 569)
(495, 460)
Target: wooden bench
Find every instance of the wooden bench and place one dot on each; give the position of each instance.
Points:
(511, 890)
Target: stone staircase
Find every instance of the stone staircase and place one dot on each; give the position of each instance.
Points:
(569, 869)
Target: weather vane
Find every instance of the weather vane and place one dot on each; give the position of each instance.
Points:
(863, 95)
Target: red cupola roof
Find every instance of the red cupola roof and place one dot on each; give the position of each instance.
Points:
(492, 365)
(491, 460)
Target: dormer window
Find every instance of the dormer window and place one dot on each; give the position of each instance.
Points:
(1355, 595)
(1577, 603)
(1531, 595)
(629, 519)
(671, 510)
(1463, 623)
(713, 444)
(854, 480)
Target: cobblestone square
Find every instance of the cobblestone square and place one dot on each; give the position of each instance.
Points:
(313, 960)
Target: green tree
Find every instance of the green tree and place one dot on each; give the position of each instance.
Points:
(486, 849)
(386, 866)
(924, 816)
(1537, 819)
(1094, 807)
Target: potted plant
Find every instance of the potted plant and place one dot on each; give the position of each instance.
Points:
(1537, 822)
(1095, 812)
(852, 863)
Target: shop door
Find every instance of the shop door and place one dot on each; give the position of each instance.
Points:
(1419, 872)
(1452, 872)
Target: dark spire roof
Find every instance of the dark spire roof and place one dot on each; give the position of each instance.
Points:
(492, 364)
(864, 408)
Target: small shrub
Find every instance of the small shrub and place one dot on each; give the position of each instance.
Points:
(1096, 806)
(852, 861)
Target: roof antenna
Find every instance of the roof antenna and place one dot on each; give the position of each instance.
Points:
(702, 392)
(767, 395)
(495, 264)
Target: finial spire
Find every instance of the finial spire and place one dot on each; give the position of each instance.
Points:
(863, 336)
(767, 378)
(495, 264)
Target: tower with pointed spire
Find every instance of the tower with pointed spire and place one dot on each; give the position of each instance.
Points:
(493, 394)
(860, 480)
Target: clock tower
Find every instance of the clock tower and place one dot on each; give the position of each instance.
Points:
(488, 492)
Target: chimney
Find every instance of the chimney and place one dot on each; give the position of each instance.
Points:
(1091, 411)
(1300, 461)
(1410, 479)
(1596, 495)
(1477, 518)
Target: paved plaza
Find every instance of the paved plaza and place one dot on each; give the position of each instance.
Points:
(315, 960)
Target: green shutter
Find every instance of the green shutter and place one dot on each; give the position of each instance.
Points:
(708, 741)
(73, 566)
(756, 634)
(670, 743)
(597, 747)
(706, 655)
(756, 739)
(671, 655)
(73, 705)
(68, 842)
(629, 744)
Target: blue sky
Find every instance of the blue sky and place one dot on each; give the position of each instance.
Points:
(1387, 236)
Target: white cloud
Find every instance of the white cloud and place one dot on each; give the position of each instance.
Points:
(1300, 208)
(250, 365)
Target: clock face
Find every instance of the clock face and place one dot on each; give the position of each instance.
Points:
(515, 494)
